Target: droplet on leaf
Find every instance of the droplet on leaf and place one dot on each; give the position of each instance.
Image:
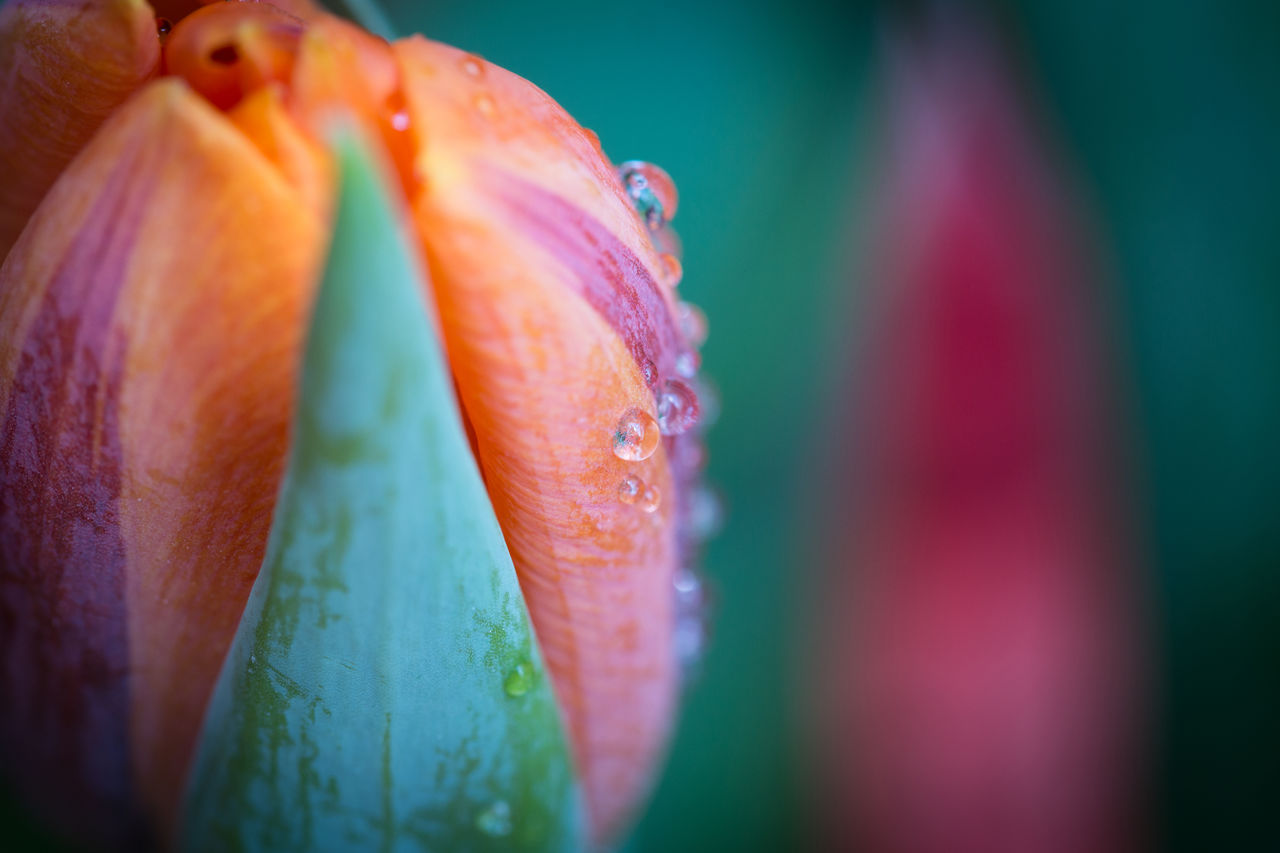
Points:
(520, 680)
(495, 820)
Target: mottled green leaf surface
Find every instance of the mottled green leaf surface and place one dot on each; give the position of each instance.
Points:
(384, 691)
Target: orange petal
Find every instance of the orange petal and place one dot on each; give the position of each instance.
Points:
(149, 325)
(65, 66)
(546, 285)
(263, 118)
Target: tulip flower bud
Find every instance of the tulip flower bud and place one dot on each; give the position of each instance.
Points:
(980, 662)
(152, 317)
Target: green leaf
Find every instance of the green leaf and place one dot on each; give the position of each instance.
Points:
(384, 690)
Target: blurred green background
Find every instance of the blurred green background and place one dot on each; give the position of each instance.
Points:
(759, 110)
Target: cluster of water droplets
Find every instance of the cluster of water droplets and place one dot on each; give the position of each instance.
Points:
(495, 820)
(684, 406)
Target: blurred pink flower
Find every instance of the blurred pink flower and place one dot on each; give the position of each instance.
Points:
(980, 613)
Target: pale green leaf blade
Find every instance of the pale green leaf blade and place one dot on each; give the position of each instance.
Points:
(384, 690)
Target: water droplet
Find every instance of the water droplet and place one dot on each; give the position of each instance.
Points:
(630, 489)
(253, 658)
(708, 401)
(649, 371)
(472, 65)
(520, 680)
(495, 820)
(693, 323)
(400, 120)
(677, 408)
(651, 191)
(636, 436)
(672, 271)
(690, 641)
(692, 623)
(163, 26)
(484, 105)
(650, 500)
(688, 587)
(667, 241)
(687, 363)
(703, 512)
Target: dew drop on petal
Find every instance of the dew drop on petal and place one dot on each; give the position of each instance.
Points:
(630, 489)
(687, 363)
(484, 105)
(163, 27)
(703, 512)
(400, 120)
(520, 680)
(708, 402)
(667, 241)
(636, 436)
(495, 820)
(689, 593)
(677, 408)
(649, 371)
(690, 630)
(672, 272)
(472, 65)
(693, 323)
(690, 641)
(651, 190)
(650, 500)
